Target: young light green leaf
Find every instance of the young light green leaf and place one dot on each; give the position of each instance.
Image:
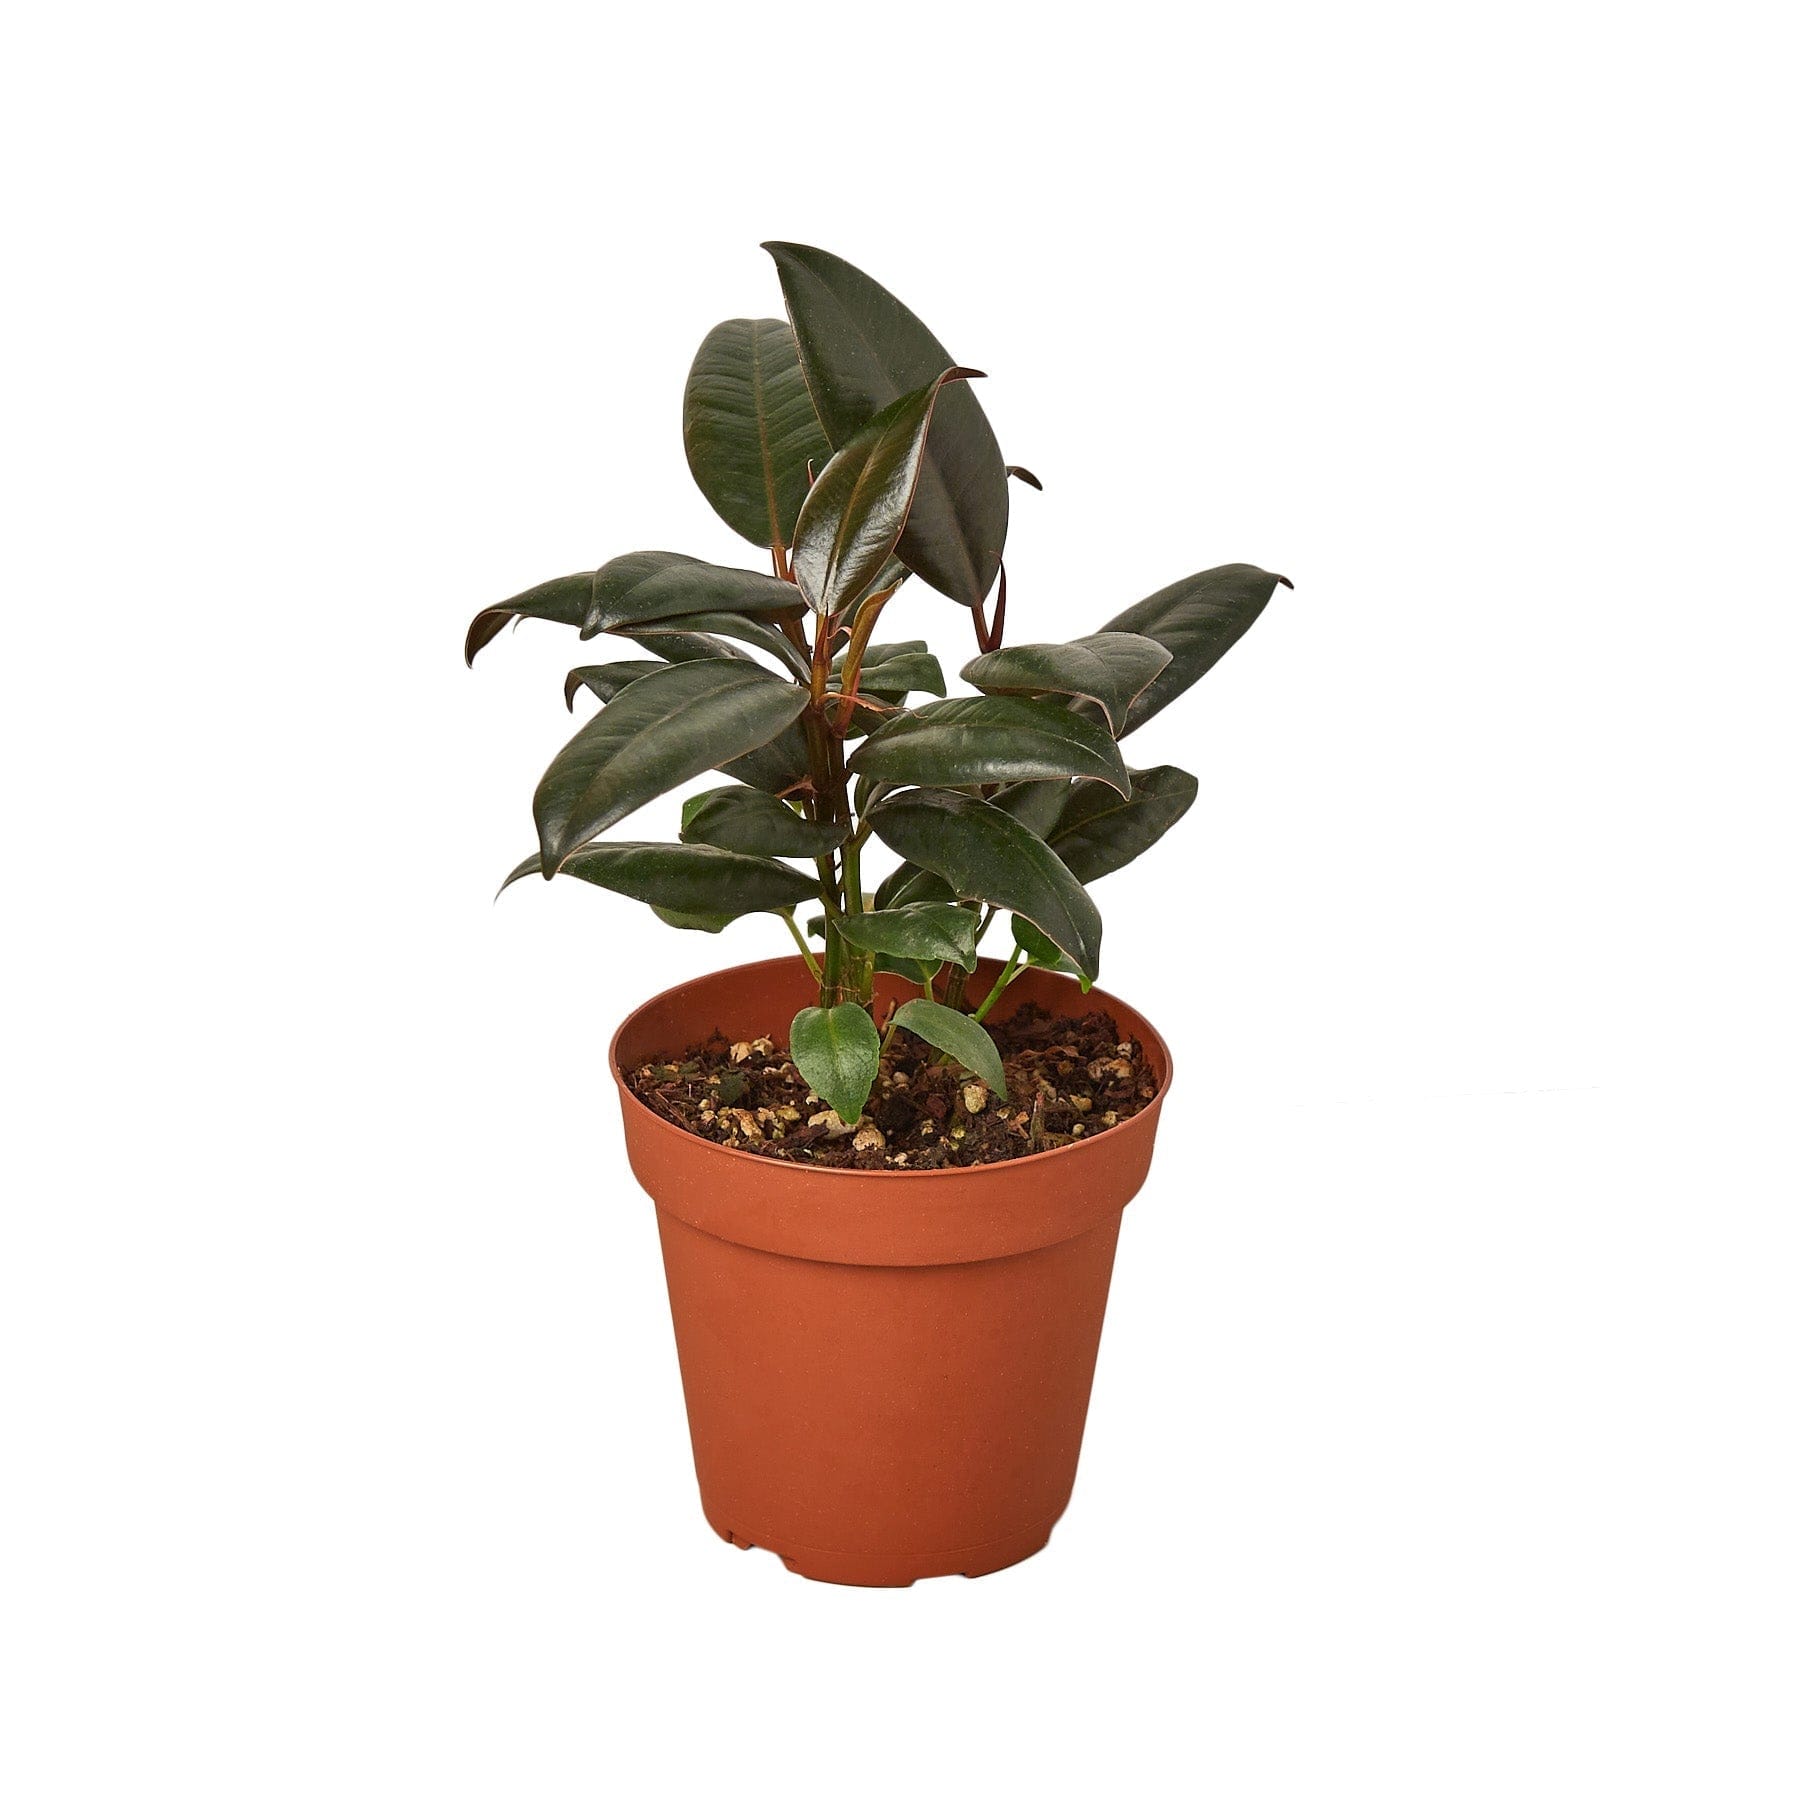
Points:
(984, 854)
(1111, 668)
(744, 818)
(694, 880)
(958, 1036)
(927, 931)
(838, 1050)
(853, 516)
(750, 430)
(659, 732)
(861, 349)
(1197, 620)
(972, 741)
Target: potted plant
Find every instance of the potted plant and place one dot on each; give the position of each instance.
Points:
(888, 1172)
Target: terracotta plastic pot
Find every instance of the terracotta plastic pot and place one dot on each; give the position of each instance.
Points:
(886, 1373)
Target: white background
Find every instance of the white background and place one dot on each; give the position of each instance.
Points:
(1443, 1442)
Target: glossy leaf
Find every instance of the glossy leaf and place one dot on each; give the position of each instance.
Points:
(839, 1052)
(1094, 830)
(712, 923)
(928, 931)
(908, 885)
(606, 681)
(985, 854)
(780, 767)
(693, 880)
(750, 430)
(713, 626)
(1037, 805)
(892, 671)
(1041, 953)
(564, 601)
(857, 508)
(745, 818)
(658, 733)
(958, 1036)
(1111, 668)
(861, 350)
(646, 584)
(1197, 620)
(968, 742)
(918, 973)
(1098, 832)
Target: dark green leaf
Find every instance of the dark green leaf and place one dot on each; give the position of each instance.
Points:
(892, 671)
(861, 350)
(779, 767)
(564, 601)
(1111, 667)
(1040, 951)
(659, 732)
(708, 922)
(690, 646)
(967, 742)
(1098, 832)
(908, 885)
(927, 931)
(918, 973)
(646, 584)
(985, 854)
(854, 514)
(606, 681)
(750, 430)
(693, 880)
(1037, 805)
(743, 818)
(711, 627)
(1197, 620)
(839, 1052)
(958, 1036)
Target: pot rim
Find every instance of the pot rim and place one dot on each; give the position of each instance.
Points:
(1145, 1118)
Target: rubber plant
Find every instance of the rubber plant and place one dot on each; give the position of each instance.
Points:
(849, 447)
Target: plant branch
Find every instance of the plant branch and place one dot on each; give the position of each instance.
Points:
(999, 987)
(805, 949)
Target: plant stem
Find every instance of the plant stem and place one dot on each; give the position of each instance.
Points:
(1000, 981)
(853, 894)
(845, 975)
(860, 634)
(800, 943)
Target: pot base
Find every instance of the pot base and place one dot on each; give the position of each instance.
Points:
(856, 1569)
